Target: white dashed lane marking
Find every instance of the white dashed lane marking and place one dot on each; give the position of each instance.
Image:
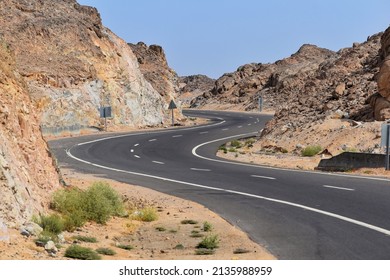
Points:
(225, 129)
(136, 156)
(158, 162)
(203, 132)
(338, 188)
(135, 145)
(263, 177)
(175, 136)
(240, 126)
(152, 140)
(201, 169)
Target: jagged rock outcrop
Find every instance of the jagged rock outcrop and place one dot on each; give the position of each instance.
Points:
(381, 102)
(241, 89)
(73, 65)
(194, 86)
(154, 66)
(27, 174)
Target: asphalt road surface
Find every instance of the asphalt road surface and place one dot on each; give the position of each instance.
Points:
(294, 214)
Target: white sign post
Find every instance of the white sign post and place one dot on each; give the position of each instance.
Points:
(386, 143)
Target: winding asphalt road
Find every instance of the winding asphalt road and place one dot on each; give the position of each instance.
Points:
(294, 214)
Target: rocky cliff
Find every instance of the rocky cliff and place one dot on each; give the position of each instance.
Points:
(193, 86)
(240, 89)
(72, 65)
(154, 66)
(381, 101)
(27, 175)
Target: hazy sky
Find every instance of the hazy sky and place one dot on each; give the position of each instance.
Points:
(213, 37)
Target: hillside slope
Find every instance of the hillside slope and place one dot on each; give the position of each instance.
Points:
(27, 174)
(73, 65)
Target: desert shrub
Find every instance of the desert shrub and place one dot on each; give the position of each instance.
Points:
(310, 151)
(203, 252)
(236, 144)
(148, 214)
(81, 253)
(105, 251)
(189, 222)
(70, 202)
(87, 239)
(52, 223)
(98, 203)
(241, 251)
(101, 202)
(209, 242)
(207, 226)
(125, 247)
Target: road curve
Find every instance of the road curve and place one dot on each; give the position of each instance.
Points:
(294, 214)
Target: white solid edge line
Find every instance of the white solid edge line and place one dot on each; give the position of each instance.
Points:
(330, 214)
(337, 188)
(270, 167)
(263, 177)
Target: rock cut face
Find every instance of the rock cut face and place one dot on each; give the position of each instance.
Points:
(27, 174)
(381, 102)
(73, 65)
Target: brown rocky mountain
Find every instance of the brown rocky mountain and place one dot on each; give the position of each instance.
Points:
(27, 175)
(381, 101)
(154, 66)
(316, 93)
(72, 65)
(194, 86)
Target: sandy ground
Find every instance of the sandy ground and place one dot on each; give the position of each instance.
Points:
(148, 242)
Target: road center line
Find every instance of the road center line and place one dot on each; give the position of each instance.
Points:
(263, 177)
(307, 208)
(201, 169)
(338, 188)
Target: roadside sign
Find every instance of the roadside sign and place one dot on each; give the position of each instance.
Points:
(105, 112)
(385, 137)
(172, 105)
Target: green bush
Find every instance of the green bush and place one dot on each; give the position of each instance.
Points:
(207, 226)
(189, 222)
(87, 239)
(70, 202)
(101, 202)
(236, 144)
(106, 251)
(310, 151)
(81, 253)
(203, 252)
(209, 242)
(148, 214)
(52, 223)
(98, 203)
(125, 247)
